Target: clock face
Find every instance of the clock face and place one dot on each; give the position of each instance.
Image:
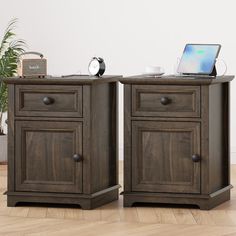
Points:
(94, 67)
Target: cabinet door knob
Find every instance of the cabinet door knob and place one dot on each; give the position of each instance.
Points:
(165, 100)
(48, 100)
(77, 157)
(196, 158)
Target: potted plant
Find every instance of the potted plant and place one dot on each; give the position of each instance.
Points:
(10, 49)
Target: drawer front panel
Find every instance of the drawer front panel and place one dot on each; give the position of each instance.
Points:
(63, 101)
(166, 101)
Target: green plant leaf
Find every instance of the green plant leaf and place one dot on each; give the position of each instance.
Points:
(10, 50)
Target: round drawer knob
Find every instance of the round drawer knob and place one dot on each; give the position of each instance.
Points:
(196, 158)
(165, 100)
(48, 100)
(77, 157)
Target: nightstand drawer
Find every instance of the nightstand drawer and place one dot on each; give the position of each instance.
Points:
(166, 101)
(47, 100)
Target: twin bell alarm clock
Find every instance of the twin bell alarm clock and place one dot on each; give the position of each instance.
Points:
(96, 66)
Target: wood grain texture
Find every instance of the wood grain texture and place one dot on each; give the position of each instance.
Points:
(203, 202)
(166, 215)
(11, 137)
(87, 155)
(103, 136)
(113, 219)
(44, 156)
(37, 212)
(176, 80)
(64, 80)
(80, 121)
(162, 156)
(205, 188)
(184, 216)
(66, 101)
(159, 144)
(219, 158)
(127, 139)
(182, 101)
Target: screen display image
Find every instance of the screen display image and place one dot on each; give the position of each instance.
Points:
(198, 58)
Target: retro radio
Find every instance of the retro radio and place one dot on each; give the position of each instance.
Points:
(32, 67)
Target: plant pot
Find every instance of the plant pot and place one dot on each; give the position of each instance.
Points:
(3, 149)
(4, 124)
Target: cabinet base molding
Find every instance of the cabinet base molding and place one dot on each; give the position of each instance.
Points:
(204, 202)
(86, 201)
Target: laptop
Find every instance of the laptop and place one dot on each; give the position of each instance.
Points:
(199, 60)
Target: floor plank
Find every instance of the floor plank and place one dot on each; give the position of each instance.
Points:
(37, 212)
(184, 216)
(74, 214)
(19, 211)
(221, 217)
(166, 215)
(58, 213)
(94, 215)
(202, 217)
(147, 215)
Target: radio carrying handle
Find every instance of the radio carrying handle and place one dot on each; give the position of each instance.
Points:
(29, 53)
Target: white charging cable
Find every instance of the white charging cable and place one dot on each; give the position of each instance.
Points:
(217, 60)
(226, 68)
(176, 65)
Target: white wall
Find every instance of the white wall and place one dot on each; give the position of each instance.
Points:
(129, 34)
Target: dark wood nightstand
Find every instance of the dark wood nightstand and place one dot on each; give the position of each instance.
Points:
(62, 140)
(177, 140)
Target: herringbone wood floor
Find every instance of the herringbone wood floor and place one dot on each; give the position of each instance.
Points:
(113, 219)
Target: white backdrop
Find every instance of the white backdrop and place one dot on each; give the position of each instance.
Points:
(128, 34)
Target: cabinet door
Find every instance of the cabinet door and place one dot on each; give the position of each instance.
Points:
(44, 156)
(162, 156)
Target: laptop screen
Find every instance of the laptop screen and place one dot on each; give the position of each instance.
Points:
(198, 58)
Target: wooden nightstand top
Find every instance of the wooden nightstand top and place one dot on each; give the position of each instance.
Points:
(176, 80)
(76, 80)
